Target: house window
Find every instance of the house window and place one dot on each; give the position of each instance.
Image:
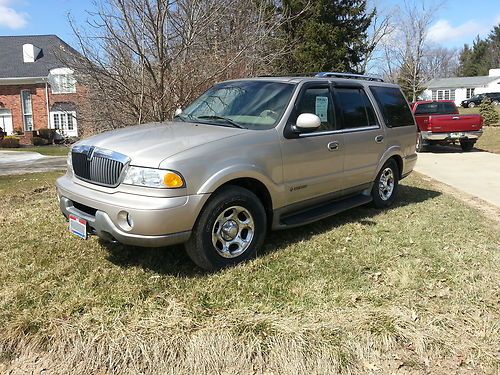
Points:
(27, 110)
(64, 122)
(63, 84)
(443, 94)
(469, 93)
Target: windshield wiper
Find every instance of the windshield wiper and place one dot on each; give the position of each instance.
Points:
(227, 120)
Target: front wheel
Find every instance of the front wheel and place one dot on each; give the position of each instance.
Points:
(386, 185)
(471, 105)
(495, 102)
(229, 230)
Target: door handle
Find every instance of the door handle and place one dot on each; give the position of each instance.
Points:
(333, 146)
(379, 138)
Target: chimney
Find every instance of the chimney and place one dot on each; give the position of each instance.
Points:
(30, 53)
(494, 72)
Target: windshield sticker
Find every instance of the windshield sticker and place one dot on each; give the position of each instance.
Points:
(322, 108)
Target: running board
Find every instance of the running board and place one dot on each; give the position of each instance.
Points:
(322, 211)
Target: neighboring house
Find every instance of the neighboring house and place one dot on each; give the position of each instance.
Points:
(36, 90)
(461, 88)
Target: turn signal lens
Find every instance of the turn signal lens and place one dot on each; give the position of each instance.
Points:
(173, 180)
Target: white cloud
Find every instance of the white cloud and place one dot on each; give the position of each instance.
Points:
(11, 18)
(443, 31)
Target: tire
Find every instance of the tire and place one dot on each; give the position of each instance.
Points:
(381, 196)
(467, 145)
(495, 102)
(421, 145)
(471, 105)
(229, 230)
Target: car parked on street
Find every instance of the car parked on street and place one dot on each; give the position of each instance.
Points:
(247, 156)
(477, 99)
(439, 123)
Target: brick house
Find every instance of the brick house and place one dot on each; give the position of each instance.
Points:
(36, 90)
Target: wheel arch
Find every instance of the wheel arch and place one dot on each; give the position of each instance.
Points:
(394, 154)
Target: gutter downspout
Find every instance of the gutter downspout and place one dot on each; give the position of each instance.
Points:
(47, 102)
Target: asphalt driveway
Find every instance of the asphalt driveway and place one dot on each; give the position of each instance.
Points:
(19, 162)
(476, 173)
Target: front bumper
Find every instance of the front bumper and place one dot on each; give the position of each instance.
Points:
(451, 136)
(152, 221)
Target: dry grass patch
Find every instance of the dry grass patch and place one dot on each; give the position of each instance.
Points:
(409, 290)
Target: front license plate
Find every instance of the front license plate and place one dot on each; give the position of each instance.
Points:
(78, 226)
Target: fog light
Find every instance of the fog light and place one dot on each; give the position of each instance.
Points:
(125, 220)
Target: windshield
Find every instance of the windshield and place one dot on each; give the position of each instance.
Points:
(244, 104)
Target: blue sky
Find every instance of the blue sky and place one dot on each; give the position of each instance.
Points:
(457, 21)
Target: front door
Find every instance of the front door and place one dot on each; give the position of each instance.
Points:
(313, 162)
(6, 121)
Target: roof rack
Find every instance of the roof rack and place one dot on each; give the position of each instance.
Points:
(347, 75)
(330, 75)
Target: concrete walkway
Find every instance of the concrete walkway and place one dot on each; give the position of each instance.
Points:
(20, 162)
(476, 173)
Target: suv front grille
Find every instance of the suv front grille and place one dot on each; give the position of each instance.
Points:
(98, 166)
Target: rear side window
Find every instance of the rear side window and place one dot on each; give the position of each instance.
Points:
(357, 111)
(393, 105)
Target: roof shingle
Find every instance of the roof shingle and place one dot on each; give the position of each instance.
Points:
(460, 82)
(11, 55)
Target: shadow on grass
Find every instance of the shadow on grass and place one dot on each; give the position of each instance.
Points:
(173, 260)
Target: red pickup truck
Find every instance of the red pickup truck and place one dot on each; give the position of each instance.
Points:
(440, 123)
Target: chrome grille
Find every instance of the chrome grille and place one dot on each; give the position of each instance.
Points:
(98, 166)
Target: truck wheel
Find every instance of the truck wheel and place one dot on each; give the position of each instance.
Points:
(386, 185)
(467, 145)
(471, 105)
(421, 145)
(230, 229)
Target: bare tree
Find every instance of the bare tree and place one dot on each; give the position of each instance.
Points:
(381, 28)
(440, 62)
(140, 59)
(405, 56)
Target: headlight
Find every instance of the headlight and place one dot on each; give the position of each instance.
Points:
(156, 178)
(69, 161)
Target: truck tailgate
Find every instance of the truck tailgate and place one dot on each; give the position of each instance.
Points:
(454, 123)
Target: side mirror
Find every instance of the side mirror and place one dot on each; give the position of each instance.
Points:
(308, 122)
(178, 111)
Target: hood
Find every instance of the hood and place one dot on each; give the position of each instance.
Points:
(148, 145)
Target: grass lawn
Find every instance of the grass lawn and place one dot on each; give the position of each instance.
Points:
(413, 289)
(490, 141)
(54, 150)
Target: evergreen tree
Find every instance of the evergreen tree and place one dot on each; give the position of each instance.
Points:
(488, 111)
(482, 56)
(494, 42)
(325, 35)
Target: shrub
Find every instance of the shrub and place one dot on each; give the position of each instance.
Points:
(47, 134)
(9, 142)
(489, 113)
(37, 141)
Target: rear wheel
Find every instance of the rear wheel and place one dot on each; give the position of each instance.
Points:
(467, 145)
(229, 230)
(421, 144)
(386, 185)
